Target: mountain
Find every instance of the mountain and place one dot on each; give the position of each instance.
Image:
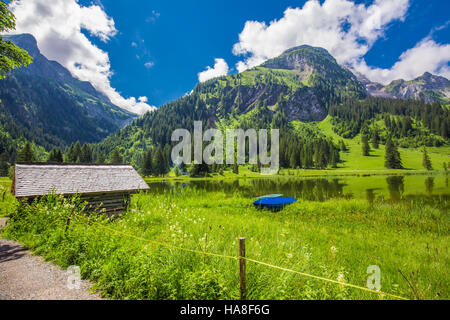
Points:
(303, 80)
(427, 87)
(45, 104)
(298, 85)
(304, 84)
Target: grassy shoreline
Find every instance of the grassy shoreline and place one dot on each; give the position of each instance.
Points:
(245, 173)
(336, 239)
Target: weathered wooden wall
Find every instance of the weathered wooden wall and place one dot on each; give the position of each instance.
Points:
(113, 203)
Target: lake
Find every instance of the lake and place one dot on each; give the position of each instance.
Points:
(371, 187)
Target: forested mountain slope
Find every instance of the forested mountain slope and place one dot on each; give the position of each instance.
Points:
(304, 84)
(44, 104)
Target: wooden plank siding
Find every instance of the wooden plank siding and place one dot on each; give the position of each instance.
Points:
(106, 187)
(113, 203)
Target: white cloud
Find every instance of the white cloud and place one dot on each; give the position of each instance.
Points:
(427, 55)
(149, 64)
(220, 69)
(347, 30)
(57, 26)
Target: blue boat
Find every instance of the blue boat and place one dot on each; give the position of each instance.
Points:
(275, 203)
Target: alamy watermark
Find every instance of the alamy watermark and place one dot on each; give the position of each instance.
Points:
(374, 280)
(73, 278)
(235, 147)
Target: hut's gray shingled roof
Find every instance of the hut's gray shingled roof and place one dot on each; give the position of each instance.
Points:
(40, 179)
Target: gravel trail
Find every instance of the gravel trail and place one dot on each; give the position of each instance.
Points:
(27, 277)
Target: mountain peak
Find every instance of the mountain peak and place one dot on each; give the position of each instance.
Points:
(45, 93)
(26, 41)
(305, 46)
(303, 58)
(52, 70)
(427, 76)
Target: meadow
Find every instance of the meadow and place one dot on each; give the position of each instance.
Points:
(7, 200)
(145, 253)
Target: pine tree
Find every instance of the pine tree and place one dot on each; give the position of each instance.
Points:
(86, 154)
(68, 157)
(365, 146)
(293, 161)
(444, 129)
(26, 154)
(375, 139)
(101, 157)
(4, 165)
(199, 170)
(343, 147)
(392, 156)
(426, 162)
(159, 166)
(74, 153)
(167, 158)
(147, 164)
(334, 158)
(116, 158)
(317, 156)
(59, 156)
(55, 155)
(77, 152)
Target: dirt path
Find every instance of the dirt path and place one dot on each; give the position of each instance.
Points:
(27, 277)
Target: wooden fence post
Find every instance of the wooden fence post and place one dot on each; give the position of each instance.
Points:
(242, 279)
(68, 220)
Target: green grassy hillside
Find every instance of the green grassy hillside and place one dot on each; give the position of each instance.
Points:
(354, 160)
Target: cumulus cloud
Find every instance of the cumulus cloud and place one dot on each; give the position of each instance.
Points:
(347, 30)
(427, 55)
(220, 69)
(57, 26)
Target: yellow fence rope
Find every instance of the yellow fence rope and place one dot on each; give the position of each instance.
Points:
(250, 260)
(326, 279)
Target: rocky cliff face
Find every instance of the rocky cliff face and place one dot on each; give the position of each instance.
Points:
(427, 87)
(301, 81)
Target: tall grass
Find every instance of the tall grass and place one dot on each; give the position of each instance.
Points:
(7, 200)
(336, 239)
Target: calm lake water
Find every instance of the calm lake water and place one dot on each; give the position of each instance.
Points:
(393, 188)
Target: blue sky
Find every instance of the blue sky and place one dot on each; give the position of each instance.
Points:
(186, 38)
(155, 49)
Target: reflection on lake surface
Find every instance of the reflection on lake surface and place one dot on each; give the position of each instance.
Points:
(393, 188)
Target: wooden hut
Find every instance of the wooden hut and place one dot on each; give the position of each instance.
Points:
(104, 186)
